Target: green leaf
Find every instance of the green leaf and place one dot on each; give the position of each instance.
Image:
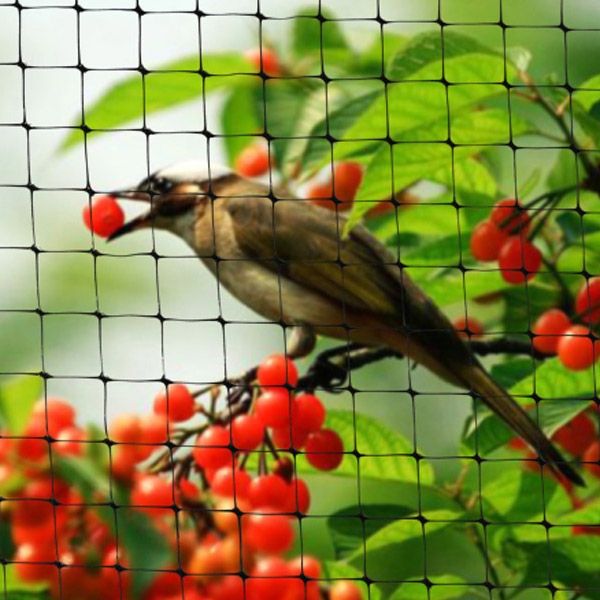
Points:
(508, 373)
(516, 496)
(466, 175)
(173, 84)
(17, 398)
(427, 48)
(443, 252)
(310, 35)
(238, 120)
(383, 453)
(148, 549)
(445, 587)
(564, 561)
(403, 530)
(83, 474)
(348, 534)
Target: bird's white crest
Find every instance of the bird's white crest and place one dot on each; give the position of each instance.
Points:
(193, 171)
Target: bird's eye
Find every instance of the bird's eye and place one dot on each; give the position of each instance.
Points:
(161, 185)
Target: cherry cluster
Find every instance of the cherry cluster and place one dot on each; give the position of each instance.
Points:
(224, 492)
(503, 238)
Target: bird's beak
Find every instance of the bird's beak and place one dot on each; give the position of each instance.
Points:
(142, 221)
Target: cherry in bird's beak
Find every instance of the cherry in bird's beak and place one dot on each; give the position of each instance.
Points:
(142, 221)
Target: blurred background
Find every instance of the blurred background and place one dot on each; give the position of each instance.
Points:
(49, 262)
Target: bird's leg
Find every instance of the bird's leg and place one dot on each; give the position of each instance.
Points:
(331, 367)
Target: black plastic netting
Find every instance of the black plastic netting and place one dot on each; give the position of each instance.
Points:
(150, 448)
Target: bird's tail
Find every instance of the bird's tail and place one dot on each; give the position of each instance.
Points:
(503, 404)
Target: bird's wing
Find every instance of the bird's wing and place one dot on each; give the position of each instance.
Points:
(304, 243)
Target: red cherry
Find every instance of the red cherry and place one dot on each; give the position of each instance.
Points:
(152, 491)
(247, 432)
(253, 161)
(29, 562)
(508, 215)
(277, 369)
(269, 579)
(270, 491)
(588, 301)
(267, 533)
(486, 240)
(153, 429)
(211, 449)
(177, 404)
(471, 328)
(345, 590)
(519, 260)
(70, 442)
(273, 407)
(104, 216)
(29, 447)
(308, 413)
(58, 413)
(577, 435)
(321, 194)
(592, 458)
(265, 61)
(285, 438)
(299, 498)
(576, 349)
(324, 450)
(125, 428)
(228, 482)
(548, 330)
(347, 177)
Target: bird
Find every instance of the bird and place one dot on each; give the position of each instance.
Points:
(292, 262)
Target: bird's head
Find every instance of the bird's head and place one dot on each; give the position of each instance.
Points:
(178, 196)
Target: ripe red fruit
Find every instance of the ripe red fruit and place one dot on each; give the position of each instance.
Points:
(265, 61)
(32, 449)
(519, 260)
(277, 369)
(308, 413)
(486, 240)
(577, 435)
(267, 533)
(58, 414)
(345, 590)
(270, 491)
(588, 301)
(285, 438)
(305, 565)
(273, 407)
(468, 328)
(153, 429)
(211, 448)
(247, 432)
(592, 458)
(269, 579)
(347, 177)
(507, 215)
(29, 562)
(548, 330)
(324, 450)
(152, 491)
(321, 194)
(229, 482)
(299, 497)
(104, 216)
(253, 161)
(177, 404)
(576, 349)
(125, 429)
(70, 442)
